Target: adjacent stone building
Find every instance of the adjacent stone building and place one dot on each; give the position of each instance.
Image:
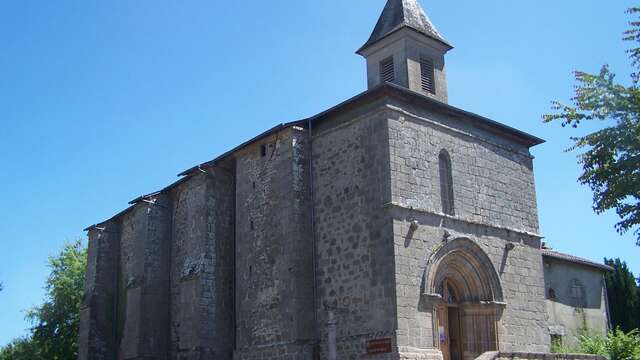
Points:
(576, 296)
(391, 226)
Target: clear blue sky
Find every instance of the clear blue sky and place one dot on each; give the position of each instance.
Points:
(103, 101)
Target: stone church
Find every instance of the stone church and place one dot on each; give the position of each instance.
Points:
(391, 226)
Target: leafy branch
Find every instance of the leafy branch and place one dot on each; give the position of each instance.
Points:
(610, 157)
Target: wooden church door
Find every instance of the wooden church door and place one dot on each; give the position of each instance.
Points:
(455, 334)
(449, 329)
(442, 330)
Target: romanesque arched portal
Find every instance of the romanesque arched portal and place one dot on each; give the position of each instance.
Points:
(466, 299)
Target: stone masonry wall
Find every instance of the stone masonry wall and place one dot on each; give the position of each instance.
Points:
(492, 177)
(166, 278)
(495, 204)
(523, 325)
(355, 249)
(202, 267)
(160, 276)
(274, 249)
(154, 308)
(97, 337)
(129, 281)
(143, 298)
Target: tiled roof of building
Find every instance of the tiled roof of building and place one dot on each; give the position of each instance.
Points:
(398, 14)
(574, 259)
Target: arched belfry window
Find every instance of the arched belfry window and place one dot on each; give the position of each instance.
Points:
(446, 183)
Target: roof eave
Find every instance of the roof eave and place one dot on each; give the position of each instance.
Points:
(372, 42)
(246, 143)
(95, 226)
(380, 90)
(523, 137)
(576, 260)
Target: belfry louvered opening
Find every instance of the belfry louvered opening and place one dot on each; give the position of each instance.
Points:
(427, 75)
(387, 71)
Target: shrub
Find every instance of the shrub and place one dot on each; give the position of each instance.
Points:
(621, 346)
(618, 345)
(591, 342)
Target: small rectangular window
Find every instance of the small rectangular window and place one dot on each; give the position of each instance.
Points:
(387, 71)
(263, 150)
(427, 75)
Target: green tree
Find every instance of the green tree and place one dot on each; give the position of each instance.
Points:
(21, 349)
(623, 294)
(57, 320)
(610, 157)
(54, 334)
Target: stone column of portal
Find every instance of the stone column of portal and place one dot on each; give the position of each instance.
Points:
(97, 314)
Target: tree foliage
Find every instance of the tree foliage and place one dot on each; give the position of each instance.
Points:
(20, 349)
(623, 346)
(624, 296)
(54, 334)
(610, 157)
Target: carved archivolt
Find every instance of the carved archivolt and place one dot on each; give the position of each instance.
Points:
(464, 263)
(464, 290)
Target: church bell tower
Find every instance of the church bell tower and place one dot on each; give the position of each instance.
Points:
(407, 50)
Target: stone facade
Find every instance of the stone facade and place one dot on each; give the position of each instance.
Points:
(392, 226)
(495, 205)
(355, 255)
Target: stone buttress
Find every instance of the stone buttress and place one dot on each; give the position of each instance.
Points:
(274, 248)
(202, 264)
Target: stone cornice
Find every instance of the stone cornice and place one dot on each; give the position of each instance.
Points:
(458, 219)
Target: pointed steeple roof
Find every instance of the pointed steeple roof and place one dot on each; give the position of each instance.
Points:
(398, 14)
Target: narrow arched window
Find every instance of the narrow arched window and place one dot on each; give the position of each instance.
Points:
(446, 183)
